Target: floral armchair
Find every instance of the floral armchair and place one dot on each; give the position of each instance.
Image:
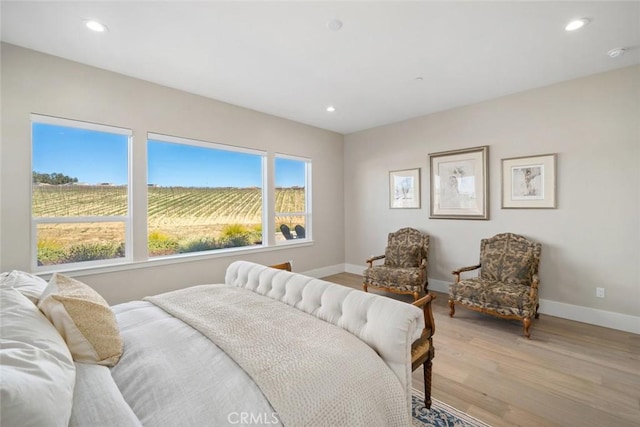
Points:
(507, 285)
(405, 264)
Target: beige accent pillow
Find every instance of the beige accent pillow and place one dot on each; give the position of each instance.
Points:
(84, 319)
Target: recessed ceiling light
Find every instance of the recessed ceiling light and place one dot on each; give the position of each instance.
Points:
(576, 24)
(334, 24)
(96, 26)
(419, 79)
(614, 53)
(331, 108)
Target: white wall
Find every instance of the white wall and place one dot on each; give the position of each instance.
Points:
(591, 240)
(33, 82)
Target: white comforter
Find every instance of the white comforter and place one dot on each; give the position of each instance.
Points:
(313, 373)
(172, 375)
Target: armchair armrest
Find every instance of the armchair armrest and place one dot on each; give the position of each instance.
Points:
(457, 272)
(425, 304)
(535, 281)
(422, 348)
(370, 260)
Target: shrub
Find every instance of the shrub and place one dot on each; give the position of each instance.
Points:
(256, 234)
(236, 241)
(236, 235)
(198, 245)
(50, 251)
(234, 230)
(161, 244)
(94, 251)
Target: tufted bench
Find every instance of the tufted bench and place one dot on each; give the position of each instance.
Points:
(388, 326)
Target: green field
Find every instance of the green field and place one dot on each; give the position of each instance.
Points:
(179, 219)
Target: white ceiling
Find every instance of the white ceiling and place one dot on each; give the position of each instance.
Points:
(280, 58)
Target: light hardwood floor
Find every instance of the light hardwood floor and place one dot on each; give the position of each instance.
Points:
(567, 374)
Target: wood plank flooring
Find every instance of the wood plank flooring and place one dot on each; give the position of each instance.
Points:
(567, 374)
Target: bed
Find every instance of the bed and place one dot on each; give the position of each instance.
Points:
(267, 347)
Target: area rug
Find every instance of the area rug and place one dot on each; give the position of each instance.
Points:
(440, 414)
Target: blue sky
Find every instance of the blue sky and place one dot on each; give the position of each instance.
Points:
(95, 157)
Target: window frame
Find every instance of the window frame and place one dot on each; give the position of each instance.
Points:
(126, 219)
(137, 164)
(153, 136)
(307, 214)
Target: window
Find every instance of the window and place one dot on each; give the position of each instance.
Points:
(80, 197)
(202, 196)
(292, 210)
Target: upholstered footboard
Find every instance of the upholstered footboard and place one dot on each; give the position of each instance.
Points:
(386, 325)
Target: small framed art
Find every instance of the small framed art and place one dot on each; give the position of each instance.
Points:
(529, 182)
(459, 187)
(404, 189)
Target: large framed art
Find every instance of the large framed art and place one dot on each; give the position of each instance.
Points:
(459, 184)
(529, 182)
(404, 189)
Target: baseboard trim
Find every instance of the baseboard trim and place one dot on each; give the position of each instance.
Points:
(592, 316)
(439, 286)
(354, 268)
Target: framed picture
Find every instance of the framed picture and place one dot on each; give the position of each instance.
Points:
(529, 182)
(404, 189)
(459, 187)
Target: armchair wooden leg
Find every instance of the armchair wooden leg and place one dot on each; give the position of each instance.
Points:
(537, 314)
(364, 287)
(526, 322)
(427, 382)
(452, 308)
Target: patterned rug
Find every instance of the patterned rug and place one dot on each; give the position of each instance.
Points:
(440, 414)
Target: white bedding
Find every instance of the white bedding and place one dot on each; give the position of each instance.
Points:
(97, 402)
(170, 374)
(313, 373)
(37, 374)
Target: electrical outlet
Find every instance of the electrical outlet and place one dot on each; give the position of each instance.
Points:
(600, 292)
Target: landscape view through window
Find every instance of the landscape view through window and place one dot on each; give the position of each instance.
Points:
(200, 197)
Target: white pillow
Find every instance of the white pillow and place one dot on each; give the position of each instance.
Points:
(38, 375)
(97, 401)
(84, 319)
(29, 285)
